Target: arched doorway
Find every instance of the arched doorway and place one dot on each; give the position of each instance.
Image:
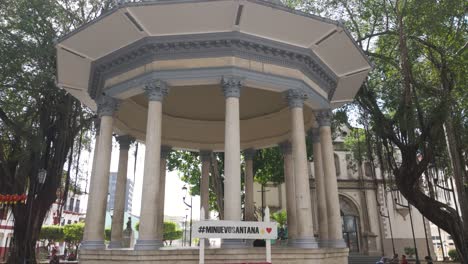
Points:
(350, 224)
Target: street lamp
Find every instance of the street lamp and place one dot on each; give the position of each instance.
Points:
(190, 206)
(41, 177)
(412, 229)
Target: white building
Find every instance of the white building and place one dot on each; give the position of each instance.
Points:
(128, 193)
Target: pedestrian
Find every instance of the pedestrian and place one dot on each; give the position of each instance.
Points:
(428, 260)
(403, 259)
(395, 259)
(54, 259)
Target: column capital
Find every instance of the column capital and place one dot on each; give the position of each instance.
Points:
(324, 117)
(107, 106)
(165, 150)
(125, 141)
(249, 153)
(314, 134)
(285, 147)
(231, 86)
(156, 89)
(205, 155)
(296, 98)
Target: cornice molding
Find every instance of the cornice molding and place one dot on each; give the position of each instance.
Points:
(236, 44)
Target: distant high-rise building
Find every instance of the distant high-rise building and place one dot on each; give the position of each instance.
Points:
(128, 193)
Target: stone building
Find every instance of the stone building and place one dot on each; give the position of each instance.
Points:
(371, 218)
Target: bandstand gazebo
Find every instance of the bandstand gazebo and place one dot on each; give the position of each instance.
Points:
(204, 75)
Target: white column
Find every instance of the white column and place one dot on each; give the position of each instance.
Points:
(148, 233)
(320, 188)
(205, 156)
(305, 231)
(93, 237)
(165, 151)
(120, 193)
(286, 150)
(232, 180)
(335, 235)
(249, 184)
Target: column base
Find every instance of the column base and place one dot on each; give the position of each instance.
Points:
(115, 244)
(93, 245)
(303, 242)
(233, 243)
(332, 243)
(148, 244)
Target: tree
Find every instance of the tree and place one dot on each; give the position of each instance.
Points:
(419, 51)
(52, 233)
(280, 217)
(73, 234)
(38, 121)
(171, 232)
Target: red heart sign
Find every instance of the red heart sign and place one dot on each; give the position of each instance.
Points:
(268, 229)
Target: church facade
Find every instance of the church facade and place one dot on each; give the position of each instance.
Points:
(375, 218)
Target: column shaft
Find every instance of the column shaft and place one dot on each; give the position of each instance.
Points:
(304, 207)
(290, 189)
(305, 231)
(232, 181)
(149, 221)
(320, 187)
(151, 180)
(93, 237)
(165, 150)
(120, 194)
(335, 234)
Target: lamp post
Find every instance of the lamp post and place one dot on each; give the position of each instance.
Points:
(41, 177)
(184, 238)
(412, 229)
(190, 206)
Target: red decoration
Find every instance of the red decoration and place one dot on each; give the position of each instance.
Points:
(12, 198)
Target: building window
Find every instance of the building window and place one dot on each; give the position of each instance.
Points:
(77, 206)
(337, 164)
(70, 205)
(367, 169)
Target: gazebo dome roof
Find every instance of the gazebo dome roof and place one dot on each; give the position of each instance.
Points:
(191, 45)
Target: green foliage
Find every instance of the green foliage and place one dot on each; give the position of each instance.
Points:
(107, 234)
(453, 254)
(73, 233)
(171, 231)
(268, 166)
(187, 164)
(410, 251)
(355, 142)
(279, 217)
(52, 233)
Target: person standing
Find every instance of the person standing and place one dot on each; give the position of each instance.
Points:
(403, 259)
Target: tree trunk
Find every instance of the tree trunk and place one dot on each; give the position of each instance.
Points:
(407, 179)
(217, 186)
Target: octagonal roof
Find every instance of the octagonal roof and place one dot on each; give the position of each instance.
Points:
(262, 39)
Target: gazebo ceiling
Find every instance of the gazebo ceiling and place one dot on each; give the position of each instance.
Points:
(191, 44)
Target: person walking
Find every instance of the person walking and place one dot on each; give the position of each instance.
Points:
(403, 259)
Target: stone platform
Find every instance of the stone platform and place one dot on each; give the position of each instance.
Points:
(219, 256)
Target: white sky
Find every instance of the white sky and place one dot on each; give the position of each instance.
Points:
(174, 205)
